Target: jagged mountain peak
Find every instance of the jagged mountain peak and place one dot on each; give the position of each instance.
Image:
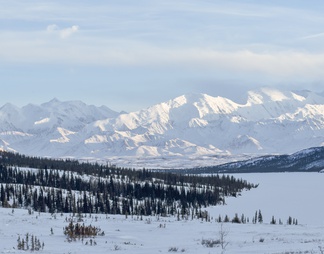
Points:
(52, 114)
(51, 103)
(56, 104)
(304, 93)
(272, 121)
(55, 100)
(10, 113)
(193, 98)
(266, 94)
(196, 105)
(9, 107)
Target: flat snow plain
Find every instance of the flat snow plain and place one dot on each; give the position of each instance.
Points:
(299, 195)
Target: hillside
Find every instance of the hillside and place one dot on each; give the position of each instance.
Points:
(47, 185)
(307, 160)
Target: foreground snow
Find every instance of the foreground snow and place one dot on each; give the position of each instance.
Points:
(136, 236)
(297, 194)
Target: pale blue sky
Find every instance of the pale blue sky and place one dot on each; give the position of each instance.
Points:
(128, 54)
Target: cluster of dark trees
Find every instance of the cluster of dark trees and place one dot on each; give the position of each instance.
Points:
(29, 242)
(78, 230)
(257, 218)
(48, 185)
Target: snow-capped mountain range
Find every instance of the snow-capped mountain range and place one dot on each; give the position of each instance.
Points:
(190, 130)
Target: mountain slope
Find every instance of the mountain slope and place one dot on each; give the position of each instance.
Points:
(311, 159)
(192, 129)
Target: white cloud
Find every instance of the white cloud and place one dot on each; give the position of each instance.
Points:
(66, 32)
(63, 33)
(52, 28)
(312, 36)
(192, 36)
(39, 48)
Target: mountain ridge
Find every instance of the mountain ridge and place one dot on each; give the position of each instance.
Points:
(307, 160)
(191, 128)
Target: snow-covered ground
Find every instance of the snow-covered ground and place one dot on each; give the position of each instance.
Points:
(299, 195)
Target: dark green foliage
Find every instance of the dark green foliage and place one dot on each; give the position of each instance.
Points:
(71, 186)
(260, 218)
(29, 242)
(236, 219)
(273, 220)
(226, 219)
(243, 219)
(292, 221)
(255, 218)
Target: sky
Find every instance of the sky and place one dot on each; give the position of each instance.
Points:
(129, 55)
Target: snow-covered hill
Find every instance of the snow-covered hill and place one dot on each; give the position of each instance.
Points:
(195, 129)
(310, 159)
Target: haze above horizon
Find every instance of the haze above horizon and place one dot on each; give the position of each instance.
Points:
(129, 55)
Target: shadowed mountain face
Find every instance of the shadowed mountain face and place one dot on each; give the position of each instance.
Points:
(306, 160)
(189, 126)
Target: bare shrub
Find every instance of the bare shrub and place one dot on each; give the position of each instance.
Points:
(210, 243)
(173, 249)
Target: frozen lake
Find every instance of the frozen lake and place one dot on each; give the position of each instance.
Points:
(299, 195)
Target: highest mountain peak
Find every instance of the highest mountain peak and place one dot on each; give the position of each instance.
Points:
(199, 97)
(205, 102)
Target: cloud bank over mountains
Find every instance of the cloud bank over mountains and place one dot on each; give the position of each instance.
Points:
(102, 51)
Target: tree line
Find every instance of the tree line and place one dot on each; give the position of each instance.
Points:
(53, 186)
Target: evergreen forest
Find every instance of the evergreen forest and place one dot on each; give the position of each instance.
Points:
(71, 186)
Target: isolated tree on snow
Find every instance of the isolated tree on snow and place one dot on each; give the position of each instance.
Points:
(260, 219)
(273, 221)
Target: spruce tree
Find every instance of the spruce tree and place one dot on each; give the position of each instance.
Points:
(236, 219)
(260, 219)
(255, 218)
(273, 221)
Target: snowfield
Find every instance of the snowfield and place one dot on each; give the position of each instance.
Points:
(299, 195)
